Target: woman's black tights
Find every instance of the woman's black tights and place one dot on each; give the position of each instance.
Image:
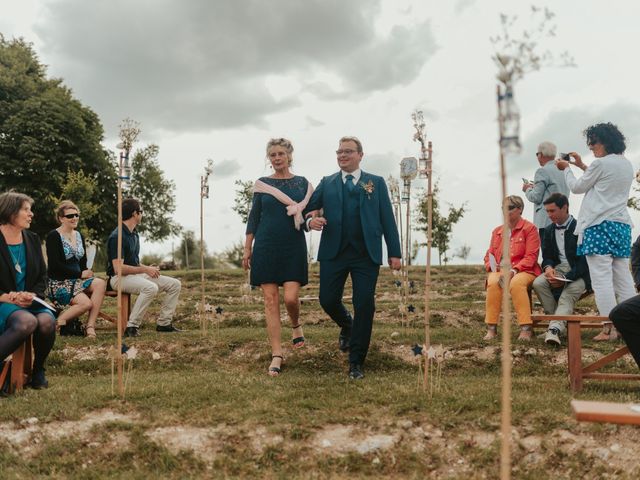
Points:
(19, 326)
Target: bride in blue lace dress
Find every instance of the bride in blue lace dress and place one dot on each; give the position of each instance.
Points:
(275, 246)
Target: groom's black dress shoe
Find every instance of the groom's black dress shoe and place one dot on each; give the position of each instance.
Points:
(355, 371)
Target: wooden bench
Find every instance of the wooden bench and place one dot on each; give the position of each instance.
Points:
(578, 372)
(607, 412)
(125, 308)
(18, 367)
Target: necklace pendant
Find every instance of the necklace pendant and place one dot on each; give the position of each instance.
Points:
(18, 269)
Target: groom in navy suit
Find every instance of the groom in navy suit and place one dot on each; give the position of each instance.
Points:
(357, 213)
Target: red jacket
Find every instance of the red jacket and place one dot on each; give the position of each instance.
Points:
(524, 247)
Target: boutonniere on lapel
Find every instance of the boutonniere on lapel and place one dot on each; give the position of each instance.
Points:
(368, 188)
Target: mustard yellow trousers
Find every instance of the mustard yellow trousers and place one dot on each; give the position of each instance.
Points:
(518, 288)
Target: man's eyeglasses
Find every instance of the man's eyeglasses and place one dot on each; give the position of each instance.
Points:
(72, 215)
(346, 152)
(511, 207)
(538, 154)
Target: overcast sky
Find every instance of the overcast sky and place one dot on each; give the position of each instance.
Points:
(218, 78)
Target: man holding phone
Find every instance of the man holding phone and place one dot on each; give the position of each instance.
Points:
(548, 179)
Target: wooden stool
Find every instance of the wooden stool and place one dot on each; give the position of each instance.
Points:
(574, 350)
(18, 366)
(606, 412)
(125, 308)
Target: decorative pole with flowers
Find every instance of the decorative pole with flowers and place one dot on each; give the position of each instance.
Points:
(408, 171)
(425, 171)
(514, 57)
(204, 193)
(129, 132)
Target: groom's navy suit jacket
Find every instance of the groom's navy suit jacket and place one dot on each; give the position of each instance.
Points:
(376, 216)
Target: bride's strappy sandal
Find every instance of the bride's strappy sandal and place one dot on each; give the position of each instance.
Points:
(275, 371)
(298, 342)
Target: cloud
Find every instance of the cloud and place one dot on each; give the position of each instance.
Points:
(564, 128)
(314, 122)
(383, 164)
(462, 5)
(226, 168)
(202, 65)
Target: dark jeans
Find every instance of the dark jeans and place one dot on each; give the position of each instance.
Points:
(364, 276)
(626, 318)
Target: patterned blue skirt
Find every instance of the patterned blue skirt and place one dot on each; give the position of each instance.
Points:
(607, 238)
(61, 292)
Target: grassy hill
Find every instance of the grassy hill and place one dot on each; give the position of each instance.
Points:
(200, 405)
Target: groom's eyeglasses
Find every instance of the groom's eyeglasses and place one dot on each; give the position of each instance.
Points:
(72, 215)
(346, 152)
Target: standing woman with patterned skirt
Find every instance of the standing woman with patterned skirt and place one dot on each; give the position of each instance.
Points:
(23, 276)
(604, 224)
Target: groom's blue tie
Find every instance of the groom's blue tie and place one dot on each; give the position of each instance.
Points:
(349, 183)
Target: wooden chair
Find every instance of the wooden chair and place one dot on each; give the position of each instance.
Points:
(18, 366)
(124, 311)
(607, 412)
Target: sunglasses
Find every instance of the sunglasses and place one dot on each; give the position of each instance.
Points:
(72, 215)
(512, 207)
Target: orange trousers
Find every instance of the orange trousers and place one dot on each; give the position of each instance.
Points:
(518, 288)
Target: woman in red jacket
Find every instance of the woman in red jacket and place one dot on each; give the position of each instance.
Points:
(524, 247)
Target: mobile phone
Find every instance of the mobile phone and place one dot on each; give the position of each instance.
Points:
(524, 180)
(565, 156)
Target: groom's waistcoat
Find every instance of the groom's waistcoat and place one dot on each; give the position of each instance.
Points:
(351, 224)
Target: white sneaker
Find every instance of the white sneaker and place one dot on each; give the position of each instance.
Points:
(552, 337)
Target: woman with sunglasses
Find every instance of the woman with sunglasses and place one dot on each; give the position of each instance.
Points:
(604, 224)
(70, 281)
(23, 279)
(524, 246)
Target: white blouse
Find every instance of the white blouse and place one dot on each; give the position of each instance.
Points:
(607, 182)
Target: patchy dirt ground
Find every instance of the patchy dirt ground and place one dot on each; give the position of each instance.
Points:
(617, 447)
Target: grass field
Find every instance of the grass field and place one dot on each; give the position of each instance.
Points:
(201, 405)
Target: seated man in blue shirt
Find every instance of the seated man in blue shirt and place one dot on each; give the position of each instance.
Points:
(143, 280)
(565, 275)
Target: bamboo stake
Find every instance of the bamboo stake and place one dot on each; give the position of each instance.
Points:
(505, 268)
(427, 280)
(403, 265)
(203, 324)
(119, 286)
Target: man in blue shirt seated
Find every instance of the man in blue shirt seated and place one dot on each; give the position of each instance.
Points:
(565, 275)
(143, 280)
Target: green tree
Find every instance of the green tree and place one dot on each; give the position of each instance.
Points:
(190, 248)
(45, 134)
(442, 225)
(244, 195)
(233, 255)
(156, 193)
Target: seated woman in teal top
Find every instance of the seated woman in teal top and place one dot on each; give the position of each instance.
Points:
(22, 279)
